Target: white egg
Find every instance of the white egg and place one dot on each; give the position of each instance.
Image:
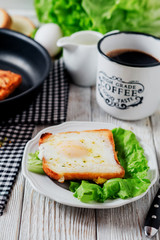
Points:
(48, 35)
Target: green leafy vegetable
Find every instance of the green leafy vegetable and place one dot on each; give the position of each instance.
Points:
(130, 153)
(87, 192)
(34, 164)
(34, 33)
(101, 15)
(111, 188)
(73, 186)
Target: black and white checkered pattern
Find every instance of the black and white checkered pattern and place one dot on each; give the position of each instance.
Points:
(13, 140)
(49, 107)
(51, 104)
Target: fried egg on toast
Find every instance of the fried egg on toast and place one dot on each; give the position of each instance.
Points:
(86, 155)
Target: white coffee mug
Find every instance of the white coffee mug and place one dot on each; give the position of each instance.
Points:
(128, 91)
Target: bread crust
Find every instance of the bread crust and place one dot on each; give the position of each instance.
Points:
(6, 21)
(82, 175)
(44, 137)
(22, 24)
(9, 81)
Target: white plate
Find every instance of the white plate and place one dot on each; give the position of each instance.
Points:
(57, 191)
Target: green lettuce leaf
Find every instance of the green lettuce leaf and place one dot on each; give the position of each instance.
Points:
(73, 186)
(111, 188)
(101, 15)
(88, 192)
(34, 163)
(130, 153)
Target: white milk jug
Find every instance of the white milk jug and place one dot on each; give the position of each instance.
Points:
(80, 56)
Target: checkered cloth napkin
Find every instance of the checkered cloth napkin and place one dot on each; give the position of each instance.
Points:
(49, 107)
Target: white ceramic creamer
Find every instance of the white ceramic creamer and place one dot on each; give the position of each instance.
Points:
(80, 56)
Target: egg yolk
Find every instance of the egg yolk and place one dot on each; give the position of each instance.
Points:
(72, 149)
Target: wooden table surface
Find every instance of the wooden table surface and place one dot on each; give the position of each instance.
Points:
(31, 216)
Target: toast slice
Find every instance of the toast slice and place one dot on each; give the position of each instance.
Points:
(86, 155)
(22, 24)
(9, 81)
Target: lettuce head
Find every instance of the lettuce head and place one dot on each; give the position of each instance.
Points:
(101, 15)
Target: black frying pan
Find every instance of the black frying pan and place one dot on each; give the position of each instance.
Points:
(21, 54)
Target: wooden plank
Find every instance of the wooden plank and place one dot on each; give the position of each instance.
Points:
(10, 220)
(43, 218)
(79, 108)
(155, 121)
(125, 222)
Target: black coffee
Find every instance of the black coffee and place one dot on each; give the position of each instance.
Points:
(133, 57)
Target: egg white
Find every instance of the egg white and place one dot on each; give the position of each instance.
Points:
(79, 152)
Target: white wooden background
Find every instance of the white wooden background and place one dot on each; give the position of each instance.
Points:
(31, 216)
